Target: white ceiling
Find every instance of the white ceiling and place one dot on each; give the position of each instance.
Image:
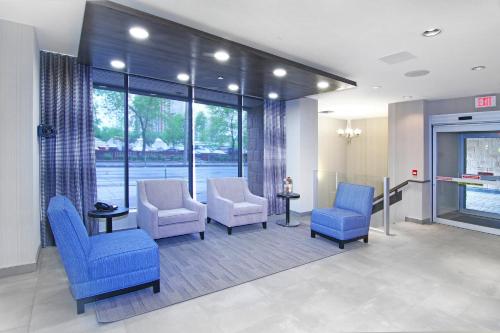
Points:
(341, 36)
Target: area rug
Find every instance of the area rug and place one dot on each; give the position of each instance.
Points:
(191, 267)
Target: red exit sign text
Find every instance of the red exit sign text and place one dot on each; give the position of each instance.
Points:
(486, 102)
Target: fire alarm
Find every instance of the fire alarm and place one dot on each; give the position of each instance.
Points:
(414, 172)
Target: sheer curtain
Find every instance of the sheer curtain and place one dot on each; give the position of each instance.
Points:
(67, 161)
(274, 153)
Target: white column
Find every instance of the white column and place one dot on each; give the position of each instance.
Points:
(19, 165)
(302, 150)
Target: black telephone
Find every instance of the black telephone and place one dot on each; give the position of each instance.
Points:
(104, 207)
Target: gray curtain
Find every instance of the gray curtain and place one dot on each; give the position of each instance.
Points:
(67, 161)
(274, 154)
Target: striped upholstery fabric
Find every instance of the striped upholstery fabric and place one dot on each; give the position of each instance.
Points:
(103, 263)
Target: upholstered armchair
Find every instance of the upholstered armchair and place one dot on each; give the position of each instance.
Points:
(165, 208)
(231, 203)
(349, 218)
(104, 265)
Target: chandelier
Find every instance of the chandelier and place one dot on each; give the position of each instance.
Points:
(349, 132)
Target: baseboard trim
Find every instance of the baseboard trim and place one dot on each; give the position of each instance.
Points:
(419, 221)
(21, 269)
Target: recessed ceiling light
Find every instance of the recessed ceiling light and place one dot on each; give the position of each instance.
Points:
(478, 68)
(376, 87)
(138, 32)
(233, 87)
(183, 77)
(279, 72)
(431, 32)
(323, 84)
(221, 55)
(272, 95)
(407, 97)
(118, 64)
(220, 77)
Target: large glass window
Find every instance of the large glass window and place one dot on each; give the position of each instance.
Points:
(215, 145)
(109, 134)
(157, 140)
(144, 128)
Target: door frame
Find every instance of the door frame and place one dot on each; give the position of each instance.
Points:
(478, 122)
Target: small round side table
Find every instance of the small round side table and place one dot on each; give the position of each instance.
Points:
(287, 197)
(98, 214)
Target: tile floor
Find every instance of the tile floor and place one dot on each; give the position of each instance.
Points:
(424, 278)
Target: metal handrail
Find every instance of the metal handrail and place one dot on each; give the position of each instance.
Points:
(397, 187)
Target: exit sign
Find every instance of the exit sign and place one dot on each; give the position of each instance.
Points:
(486, 102)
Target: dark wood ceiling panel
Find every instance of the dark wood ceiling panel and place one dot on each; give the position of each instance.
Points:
(173, 48)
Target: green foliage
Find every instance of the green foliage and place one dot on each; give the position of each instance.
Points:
(174, 133)
(107, 133)
(149, 118)
(245, 130)
(201, 127)
(111, 102)
(153, 117)
(223, 127)
(146, 113)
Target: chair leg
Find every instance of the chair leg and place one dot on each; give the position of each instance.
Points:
(365, 239)
(229, 230)
(264, 225)
(156, 286)
(313, 234)
(202, 235)
(80, 307)
(208, 220)
(341, 244)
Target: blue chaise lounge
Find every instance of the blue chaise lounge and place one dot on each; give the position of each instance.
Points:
(104, 265)
(349, 218)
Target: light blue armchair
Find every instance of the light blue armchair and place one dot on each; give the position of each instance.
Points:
(104, 265)
(349, 218)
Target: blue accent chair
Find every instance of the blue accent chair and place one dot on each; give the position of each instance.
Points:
(349, 218)
(104, 265)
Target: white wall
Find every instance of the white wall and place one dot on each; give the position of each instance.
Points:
(406, 152)
(331, 159)
(366, 155)
(331, 147)
(19, 166)
(363, 161)
(302, 149)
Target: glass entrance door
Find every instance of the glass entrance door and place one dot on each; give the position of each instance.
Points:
(466, 176)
